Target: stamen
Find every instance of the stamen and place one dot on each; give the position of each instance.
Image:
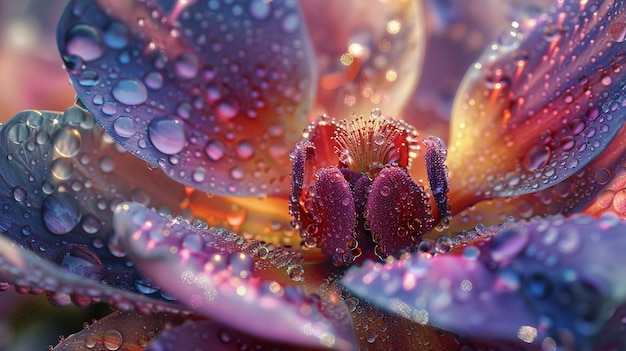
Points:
(368, 145)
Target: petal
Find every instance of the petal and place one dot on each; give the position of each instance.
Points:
(397, 211)
(541, 106)
(119, 331)
(559, 281)
(62, 176)
(196, 336)
(369, 53)
(30, 273)
(214, 272)
(214, 94)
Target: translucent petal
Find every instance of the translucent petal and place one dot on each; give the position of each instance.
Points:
(62, 176)
(29, 273)
(213, 93)
(369, 53)
(559, 281)
(539, 107)
(119, 331)
(215, 273)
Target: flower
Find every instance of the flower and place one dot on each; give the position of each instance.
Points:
(166, 207)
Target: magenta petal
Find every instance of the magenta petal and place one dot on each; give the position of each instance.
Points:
(214, 93)
(213, 272)
(30, 273)
(561, 281)
(397, 211)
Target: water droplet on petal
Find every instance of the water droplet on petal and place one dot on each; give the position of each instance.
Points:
(61, 213)
(112, 340)
(130, 92)
(618, 31)
(537, 158)
(19, 133)
(154, 80)
(187, 65)
(78, 259)
(116, 35)
(260, 9)
(245, 149)
(67, 142)
(124, 126)
(215, 150)
(85, 42)
(167, 135)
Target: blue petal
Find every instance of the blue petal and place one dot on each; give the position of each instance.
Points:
(557, 281)
(61, 178)
(213, 93)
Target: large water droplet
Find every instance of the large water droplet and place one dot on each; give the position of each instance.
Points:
(245, 149)
(18, 133)
(537, 158)
(154, 80)
(67, 142)
(112, 340)
(130, 92)
(215, 150)
(85, 42)
(618, 31)
(78, 259)
(61, 213)
(167, 135)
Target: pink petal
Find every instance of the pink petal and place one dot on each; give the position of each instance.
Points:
(557, 281)
(213, 93)
(215, 273)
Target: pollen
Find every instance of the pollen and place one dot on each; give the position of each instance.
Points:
(367, 145)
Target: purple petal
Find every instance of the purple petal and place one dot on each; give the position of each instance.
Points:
(560, 281)
(62, 176)
(540, 106)
(215, 273)
(30, 273)
(119, 331)
(215, 94)
(196, 336)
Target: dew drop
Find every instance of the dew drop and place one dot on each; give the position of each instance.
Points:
(537, 158)
(215, 150)
(295, 272)
(618, 31)
(199, 175)
(18, 133)
(91, 224)
(236, 173)
(107, 164)
(90, 341)
(67, 142)
(187, 65)
(227, 109)
(290, 23)
(167, 135)
(88, 78)
(124, 127)
(116, 35)
(19, 193)
(79, 260)
(154, 80)
(62, 168)
(260, 9)
(130, 92)
(112, 340)
(85, 42)
(61, 213)
(245, 149)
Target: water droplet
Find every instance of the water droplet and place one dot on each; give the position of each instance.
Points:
(78, 259)
(384, 190)
(62, 168)
(90, 341)
(107, 164)
(618, 31)
(88, 78)
(290, 23)
(199, 175)
(154, 80)
(145, 287)
(67, 142)
(61, 213)
(227, 109)
(130, 92)
(537, 158)
(245, 149)
(18, 133)
(260, 9)
(116, 35)
(215, 150)
(20, 193)
(295, 272)
(91, 224)
(112, 340)
(167, 135)
(124, 126)
(85, 42)
(236, 173)
(187, 65)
